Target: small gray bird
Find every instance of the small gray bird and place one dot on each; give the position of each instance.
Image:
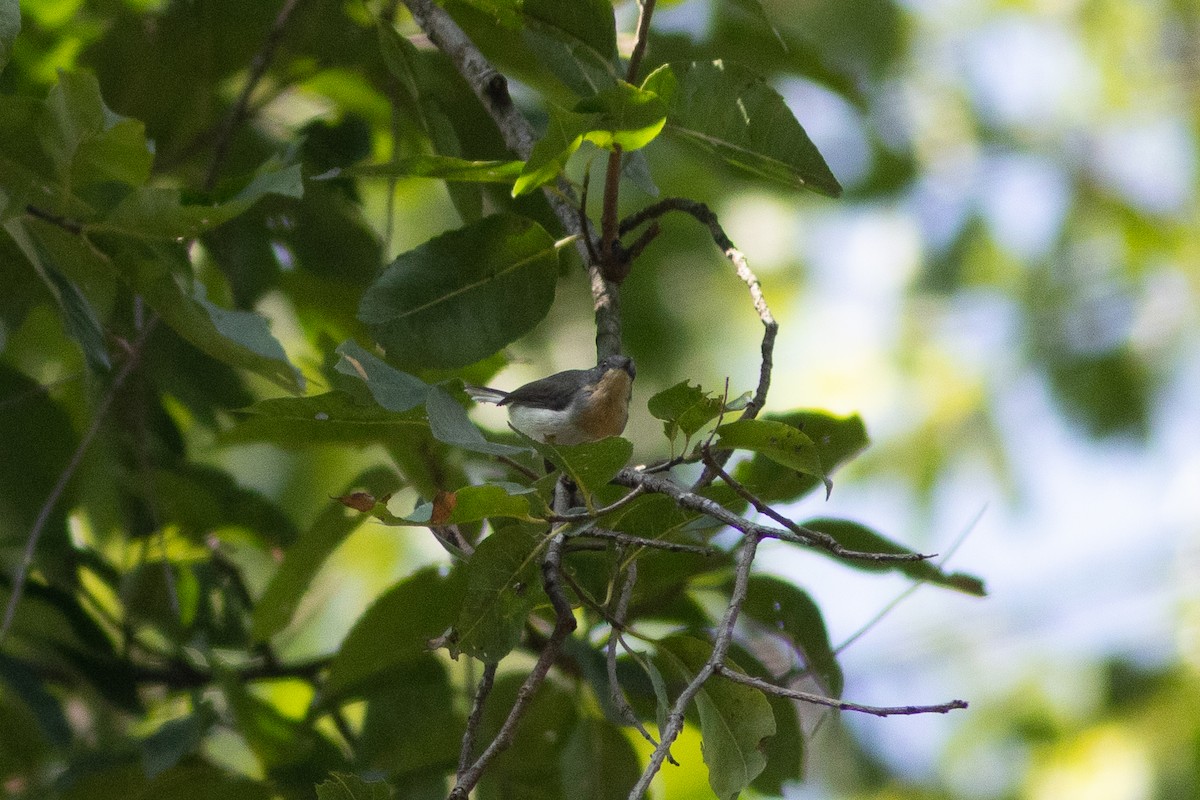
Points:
(572, 406)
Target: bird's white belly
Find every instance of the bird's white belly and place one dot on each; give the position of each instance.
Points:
(544, 424)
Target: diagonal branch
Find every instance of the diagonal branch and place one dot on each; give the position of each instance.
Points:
(705, 216)
(475, 718)
(519, 136)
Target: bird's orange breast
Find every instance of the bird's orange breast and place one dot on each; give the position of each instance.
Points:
(607, 409)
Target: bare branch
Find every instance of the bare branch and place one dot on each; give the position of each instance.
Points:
(841, 705)
(583, 516)
(627, 540)
(711, 508)
(468, 741)
(43, 517)
(643, 36)
(258, 68)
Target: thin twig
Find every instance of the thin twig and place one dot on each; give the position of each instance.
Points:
(468, 741)
(711, 508)
(43, 517)
(715, 660)
(842, 705)
(615, 693)
(628, 540)
(258, 68)
(639, 45)
(581, 516)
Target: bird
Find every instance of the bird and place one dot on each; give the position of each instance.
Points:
(569, 407)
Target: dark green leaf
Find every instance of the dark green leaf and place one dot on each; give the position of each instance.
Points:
(728, 110)
(238, 338)
(302, 561)
(397, 628)
(154, 212)
(394, 390)
(331, 417)
(530, 768)
(343, 786)
(788, 612)
(854, 536)
(175, 740)
(445, 168)
(465, 294)
(197, 780)
(734, 719)
(10, 26)
(450, 424)
(503, 583)
(598, 762)
(777, 441)
(24, 683)
(576, 41)
(411, 724)
(89, 143)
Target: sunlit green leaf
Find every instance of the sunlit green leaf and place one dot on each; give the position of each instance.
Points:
(684, 408)
(836, 439)
(591, 464)
(445, 168)
(465, 294)
(777, 441)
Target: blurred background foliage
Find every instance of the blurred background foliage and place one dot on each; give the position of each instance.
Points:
(1007, 292)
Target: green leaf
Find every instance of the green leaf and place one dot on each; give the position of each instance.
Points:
(575, 41)
(89, 143)
(734, 719)
(446, 168)
(238, 338)
(450, 424)
(413, 722)
(598, 762)
(343, 786)
(684, 409)
(623, 116)
(503, 583)
(854, 536)
(397, 628)
(394, 390)
(10, 26)
(788, 612)
(777, 441)
(530, 768)
(465, 294)
(472, 504)
(154, 212)
(175, 740)
(301, 562)
(590, 465)
(837, 439)
(732, 112)
(331, 417)
(79, 317)
(198, 780)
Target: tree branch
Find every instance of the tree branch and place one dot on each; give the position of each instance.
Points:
(492, 90)
(43, 517)
(841, 705)
(685, 498)
(476, 716)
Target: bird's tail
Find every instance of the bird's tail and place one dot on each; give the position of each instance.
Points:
(484, 394)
